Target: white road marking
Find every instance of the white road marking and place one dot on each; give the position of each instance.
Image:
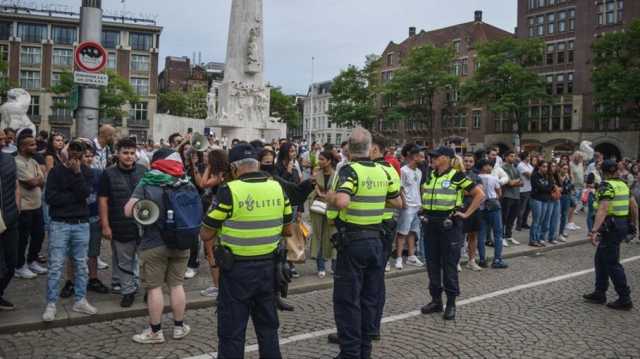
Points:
(415, 313)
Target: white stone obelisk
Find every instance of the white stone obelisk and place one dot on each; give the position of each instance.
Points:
(243, 99)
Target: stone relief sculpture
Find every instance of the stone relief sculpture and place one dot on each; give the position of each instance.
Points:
(253, 56)
(13, 113)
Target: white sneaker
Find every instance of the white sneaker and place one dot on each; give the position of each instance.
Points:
(25, 273)
(572, 226)
(180, 332)
(82, 306)
(387, 268)
(149, 337)
(513, 241)
(472, 265)
(190, 273)
(459, 268)
(322, 274)
(562, 238)
(399, 263)
(36, 268)
(505, 243)
(49, 312)
(414, 261)
(102, 265)
(209, 292)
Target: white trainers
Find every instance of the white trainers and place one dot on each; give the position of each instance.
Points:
(102, 265)
(562, 238)
(82, 306)
(572, 226)
(25, 273)
(149, 337)
(180, 332)
(399, 263)
(322, 274)
(459, 268)
(190, 273)
(513, 241)
(387, 268)
(472, 265)
(414, 261)
(209, 292)
(36, 268)
(49, 312)
(505, 243)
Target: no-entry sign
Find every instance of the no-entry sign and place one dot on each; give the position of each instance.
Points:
(90, 57)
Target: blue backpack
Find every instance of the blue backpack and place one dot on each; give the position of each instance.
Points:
(181, 232)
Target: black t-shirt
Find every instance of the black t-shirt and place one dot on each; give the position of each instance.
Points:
(105, 184)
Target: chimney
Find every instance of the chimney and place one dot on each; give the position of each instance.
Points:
(412, 31)
(478, 15)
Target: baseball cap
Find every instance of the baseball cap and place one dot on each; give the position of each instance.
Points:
(442, 151)
(609, 166)
(242, 151)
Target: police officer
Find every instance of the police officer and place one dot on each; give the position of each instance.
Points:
(614, 207)
(361, 191)
(442, 195)
(250, 218)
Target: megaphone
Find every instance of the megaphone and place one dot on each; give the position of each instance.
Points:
(199, 142)
(146, 212)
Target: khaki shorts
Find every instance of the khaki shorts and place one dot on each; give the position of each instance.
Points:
(161, 265)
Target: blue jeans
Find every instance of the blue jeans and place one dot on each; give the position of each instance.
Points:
(554, 220)
(492, 220)
(67, 240)
(565, 206)
(540, 221)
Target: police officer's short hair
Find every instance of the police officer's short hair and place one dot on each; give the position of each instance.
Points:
(359, 142)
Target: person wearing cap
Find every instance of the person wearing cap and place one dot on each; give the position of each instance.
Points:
(614, 207)
(357, 202)
(442, 195)
(250, 217)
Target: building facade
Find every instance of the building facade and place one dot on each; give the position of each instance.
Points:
(453, 124)
(569, 28)
(38, 47)
(317, 127)
(179, 74)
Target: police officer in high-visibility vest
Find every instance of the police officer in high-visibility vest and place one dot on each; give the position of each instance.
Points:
(249, 220)
(615, 206)
(442, 194)
(361, 192)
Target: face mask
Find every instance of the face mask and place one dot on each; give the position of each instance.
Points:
(267, 168)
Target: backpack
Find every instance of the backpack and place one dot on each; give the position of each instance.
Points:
(182, 231)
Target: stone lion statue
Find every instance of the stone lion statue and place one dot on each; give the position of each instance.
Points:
(13, 113)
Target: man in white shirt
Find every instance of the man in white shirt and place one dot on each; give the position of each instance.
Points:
(526, 169)
(408, 227)
(491, 214)
(102, 143)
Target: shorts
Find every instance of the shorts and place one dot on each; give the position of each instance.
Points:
(472, 224)
(408, 221)
(95, 239)
(162, 265)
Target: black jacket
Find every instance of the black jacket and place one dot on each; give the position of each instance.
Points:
(541, 187)
(67, 193)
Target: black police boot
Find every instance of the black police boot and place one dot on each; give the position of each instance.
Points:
(283, 306)
(434, 307)
(595, 297)
(333, 338)
(621, 304)
(450, 311)
(127, 300)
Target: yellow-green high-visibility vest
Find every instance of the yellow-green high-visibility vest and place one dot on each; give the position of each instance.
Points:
(255, 225)
(619, 206)
(440, 193)
(394, 184)
(367, 203)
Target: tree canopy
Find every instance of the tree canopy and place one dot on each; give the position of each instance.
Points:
(284, 108)
(352, 101)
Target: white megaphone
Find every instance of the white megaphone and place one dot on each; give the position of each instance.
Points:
(199, 142)
(146, 212)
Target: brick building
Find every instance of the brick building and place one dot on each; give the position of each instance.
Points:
(452, 123)
(569, 28)
(38, 46)
(179, 74)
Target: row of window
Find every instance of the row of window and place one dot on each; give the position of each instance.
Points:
(610, 12)
(552, 23)
(138, 111)
(319, 123)
(326, 138)
(31, 80)
(32, 56)
(559, 84)
(536, 4)
(560, 53)
(65, 35)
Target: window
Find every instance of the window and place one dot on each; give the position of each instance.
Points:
(34, 106)
(5, 30)
(566, 117)
(556, 118)
(141, 86)
(31, 56)
(460, 120)
(140, 41)
(138, 111)
(32, 32)
(570, 54)
(534, 118)
(457, 68)
(112, 61)
(63, 35)
(338, 138)
(62, 57)
(550, 85)
(572, 19)
(545, 119)
(532, 27)
(620, 10)
(110, 39)
(611, 13)
(551, 48)
(562, 21)
(456, 46)
(540, 3)
(540, 25)
(560, 84)
(59, 110)
(551, 23)
(30, 80)
(465, 67)
(56, 77)
(140, 63)
(476, 116)
(4, 53)
(570, 83)
(561, 49)
(390, 60)
(551, 2)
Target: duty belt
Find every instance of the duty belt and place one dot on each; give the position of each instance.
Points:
(264, 257)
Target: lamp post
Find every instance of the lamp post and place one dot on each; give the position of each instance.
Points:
(89, 105)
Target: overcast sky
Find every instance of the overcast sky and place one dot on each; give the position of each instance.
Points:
(336, 32)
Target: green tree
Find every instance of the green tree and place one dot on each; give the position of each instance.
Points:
(173, 102)
(284, 108)
(352, 103)
(196, 103)
(424, 73)
(616, 73)
(505, 82)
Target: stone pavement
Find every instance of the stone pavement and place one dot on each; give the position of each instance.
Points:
(29, 295)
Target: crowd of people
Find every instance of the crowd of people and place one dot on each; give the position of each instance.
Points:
(74, 194)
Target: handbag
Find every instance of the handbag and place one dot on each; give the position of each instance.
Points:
(318, 207)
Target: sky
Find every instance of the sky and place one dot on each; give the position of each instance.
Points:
(336, 33)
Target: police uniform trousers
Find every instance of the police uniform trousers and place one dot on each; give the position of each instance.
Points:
(358, 284)
(607, 260)
(389, 229)
(247, 290)
(443, 248)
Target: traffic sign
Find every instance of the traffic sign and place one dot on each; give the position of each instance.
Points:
(90, 79)
(90, 56)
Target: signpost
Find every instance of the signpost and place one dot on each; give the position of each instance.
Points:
(90, 79)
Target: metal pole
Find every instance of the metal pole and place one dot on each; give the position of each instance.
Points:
(309, 141)
(89, 105)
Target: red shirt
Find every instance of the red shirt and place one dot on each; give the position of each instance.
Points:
(393, 161)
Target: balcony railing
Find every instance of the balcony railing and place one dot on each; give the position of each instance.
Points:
(61, 118)
(138, 123)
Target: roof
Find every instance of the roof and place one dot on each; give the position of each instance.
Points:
(321, 87)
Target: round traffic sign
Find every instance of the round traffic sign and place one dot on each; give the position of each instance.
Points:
(90, 56)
